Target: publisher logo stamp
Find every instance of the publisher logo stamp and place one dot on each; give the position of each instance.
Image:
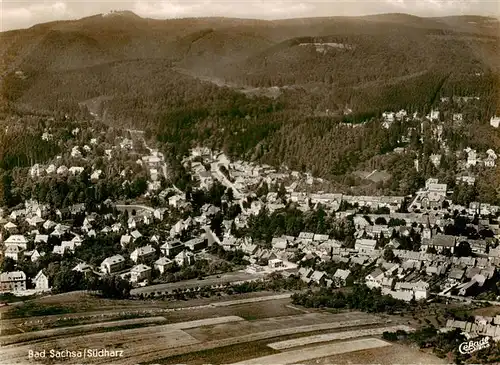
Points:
(473, 346)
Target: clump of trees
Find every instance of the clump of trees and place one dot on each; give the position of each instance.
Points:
(360, 297)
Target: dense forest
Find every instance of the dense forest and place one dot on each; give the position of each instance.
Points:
(308, 94)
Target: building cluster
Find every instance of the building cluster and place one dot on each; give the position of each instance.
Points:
(480, 326)
(379, 225)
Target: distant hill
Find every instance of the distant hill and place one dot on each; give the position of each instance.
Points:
(149, 72)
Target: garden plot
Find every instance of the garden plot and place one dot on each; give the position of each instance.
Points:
(297, 356)
(303, 341)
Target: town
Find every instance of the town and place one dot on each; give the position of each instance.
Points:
(412, 247)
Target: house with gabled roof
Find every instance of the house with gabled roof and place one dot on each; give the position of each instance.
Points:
(171, 248)
(440, 242)
(163, 264)
(14, 252)
(16, 240)
(341, 277)
(125, 240)
(113, 264)
(279, 243)
(143, 253)
(82, 267)
(140, 273)
(41, 281)
(374, 279)
(305, 274)
(13, 281)
(135, 234)
(184, 258)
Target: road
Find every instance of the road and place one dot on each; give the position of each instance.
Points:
(136, 207)
(224, 279)
(467, 299)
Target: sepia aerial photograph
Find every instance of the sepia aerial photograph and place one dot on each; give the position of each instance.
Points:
(249, 182)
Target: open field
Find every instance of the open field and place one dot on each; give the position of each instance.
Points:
(284, 325)
(36, 335)
(213, 331)
(130, 341)
(296, 356)
(388, 355)
(269, 306)
(309, 340)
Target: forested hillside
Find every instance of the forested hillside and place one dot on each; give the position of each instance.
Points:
(190, 81)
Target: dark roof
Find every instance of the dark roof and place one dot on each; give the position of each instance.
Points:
(444, 240)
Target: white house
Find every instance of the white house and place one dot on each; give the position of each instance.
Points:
(41, 281)
(374, 279)
(75, 170)
(113, 264)
(495, 121)
(472, 158)
(16, 240)
(140, 273)
(435, 159)
(142, 253)
(365, 245)
(62, 170)
(184, 258)
(276, 263)
(162, 264)
(13, 252)
(171, 248)
(13, 281)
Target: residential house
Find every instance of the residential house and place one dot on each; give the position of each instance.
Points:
(365, 245)
(135, 234)
(319, 277)
(196, 244)
(374, 279)
(41, 281)
(16, 240)
(439, 242)
(184, 258)
(171, 248)
(143, 253)
(125, 240)
(279, 243)
(163, 264)
(14, 281)
(35, 255)
(495, 121)
(140, 273)
(276, 263)
(14, 252)
(113, 264)
(305, 274)
(341, 277)
(82, 267)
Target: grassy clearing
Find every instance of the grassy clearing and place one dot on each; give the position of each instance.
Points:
(34, 309)
(11, 298)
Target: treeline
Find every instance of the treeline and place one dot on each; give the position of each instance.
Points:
(21, 148)
(291, 221)
(359, 298)
(62, 192)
